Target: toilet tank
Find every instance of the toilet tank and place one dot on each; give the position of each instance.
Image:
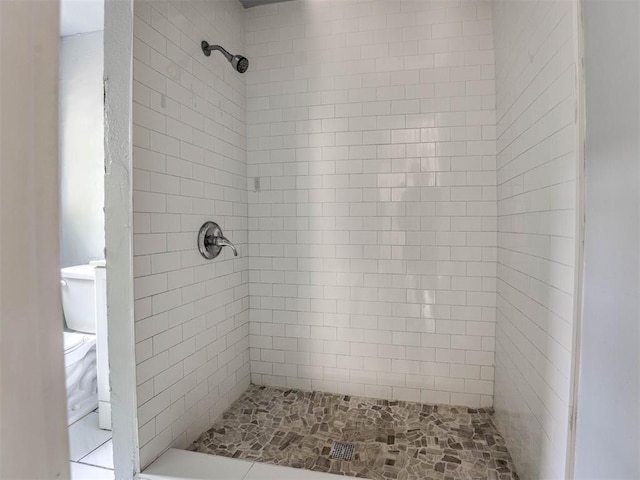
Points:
(79, 297)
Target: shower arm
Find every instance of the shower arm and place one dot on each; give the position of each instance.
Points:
(207, 49)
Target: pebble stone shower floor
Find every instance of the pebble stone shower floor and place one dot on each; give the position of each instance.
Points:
(392, 439)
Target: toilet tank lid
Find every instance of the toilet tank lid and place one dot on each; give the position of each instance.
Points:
(81, 272)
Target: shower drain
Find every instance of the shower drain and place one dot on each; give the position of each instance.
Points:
(342, 451)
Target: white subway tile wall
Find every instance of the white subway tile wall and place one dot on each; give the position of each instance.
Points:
(537, 165)
(372, 198)
(189, 160)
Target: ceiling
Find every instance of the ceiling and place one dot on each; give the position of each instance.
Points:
(81, 16)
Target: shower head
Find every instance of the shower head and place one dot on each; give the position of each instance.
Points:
(240, 63)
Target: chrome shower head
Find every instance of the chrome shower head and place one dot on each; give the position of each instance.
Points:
(240, 63)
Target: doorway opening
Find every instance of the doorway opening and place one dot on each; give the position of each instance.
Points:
(96, 276)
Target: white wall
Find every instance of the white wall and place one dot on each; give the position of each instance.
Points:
(609, 389)
(118, 56)
(535, 44)
(371, 127)
(192, 317)
(81, 149)
(33, 438)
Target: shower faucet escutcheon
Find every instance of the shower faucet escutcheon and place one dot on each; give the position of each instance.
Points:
(211, 240)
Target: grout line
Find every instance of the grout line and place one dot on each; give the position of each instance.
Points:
(93, 466)
(97, 448)
(82, 418)
(253, 464)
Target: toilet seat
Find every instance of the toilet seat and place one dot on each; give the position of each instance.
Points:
(72, 340)
(76, 346)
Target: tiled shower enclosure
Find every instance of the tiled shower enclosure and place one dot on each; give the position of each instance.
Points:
(399, 179)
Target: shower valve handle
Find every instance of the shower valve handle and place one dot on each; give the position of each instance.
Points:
(221, 242)
(211, 240)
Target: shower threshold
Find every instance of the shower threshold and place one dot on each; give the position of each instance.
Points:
(177, 464)
(385, 439)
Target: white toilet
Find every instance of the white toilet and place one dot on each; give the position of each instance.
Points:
(79, 306)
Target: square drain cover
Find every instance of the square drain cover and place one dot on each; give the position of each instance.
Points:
(342, 451)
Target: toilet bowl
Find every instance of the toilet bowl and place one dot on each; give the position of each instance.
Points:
(79, 306)
(81, 374)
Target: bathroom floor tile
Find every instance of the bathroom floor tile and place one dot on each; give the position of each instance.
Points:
(80, 471)
(85, 436)
(392, 439)
(101, 456)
